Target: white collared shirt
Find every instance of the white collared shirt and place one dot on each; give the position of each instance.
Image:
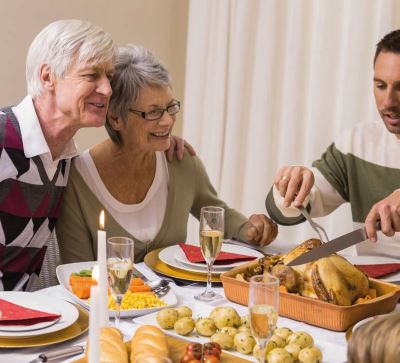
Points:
(33, 139)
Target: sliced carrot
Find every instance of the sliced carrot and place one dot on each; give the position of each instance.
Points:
(80, 285)
(136, 287)
(136, 281)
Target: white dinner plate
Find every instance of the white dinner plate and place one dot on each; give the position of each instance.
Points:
(376, 260)
(332, 353)
(69, 314)
(64, 271)
(175, 257)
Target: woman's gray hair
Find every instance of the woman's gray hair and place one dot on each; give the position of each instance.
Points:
(62, 43)
(135, 68)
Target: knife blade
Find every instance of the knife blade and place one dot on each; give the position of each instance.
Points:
(330, 247)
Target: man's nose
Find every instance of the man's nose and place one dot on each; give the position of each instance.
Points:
(104, 86)
(391, 98)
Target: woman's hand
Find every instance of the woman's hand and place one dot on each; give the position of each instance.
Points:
(177, 147)
(261, 230)
(294, 184)
(387, 214)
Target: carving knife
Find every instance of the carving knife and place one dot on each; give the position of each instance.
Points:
(334, 245)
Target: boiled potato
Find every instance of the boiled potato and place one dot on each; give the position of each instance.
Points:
(226, 316)
(184, 311)
(166, 318)
(244, 342)
(301, 338)
(279, 355)
(269, 346)
(184, 326)
(228, 330)
(279, 341)
(223, 339)
(294, 350)
(245, 320)
(310, 355)
(244, 328)
(215, 311)
(283, 332)
(205, 327)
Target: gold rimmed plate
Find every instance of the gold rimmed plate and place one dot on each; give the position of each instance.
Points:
(80, 326)
(153, 261)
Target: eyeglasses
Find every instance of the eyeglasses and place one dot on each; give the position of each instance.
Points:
(157, 113)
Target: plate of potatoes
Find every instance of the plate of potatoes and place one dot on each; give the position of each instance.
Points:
(231, 330)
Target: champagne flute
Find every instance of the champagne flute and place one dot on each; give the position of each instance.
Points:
(263, 309)
(211, 237)
(120, 257)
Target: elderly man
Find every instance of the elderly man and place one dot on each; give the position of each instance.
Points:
(68, 71)
(362, 167)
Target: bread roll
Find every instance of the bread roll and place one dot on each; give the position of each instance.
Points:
(149, 344)
(112, 347)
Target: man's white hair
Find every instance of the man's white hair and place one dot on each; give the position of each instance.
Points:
(61, 44)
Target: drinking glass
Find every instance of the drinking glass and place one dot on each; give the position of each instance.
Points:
(120, 257)
(211, 236)
(263, 309)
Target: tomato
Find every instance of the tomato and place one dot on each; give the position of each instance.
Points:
(189, 358)
(193, 346)
(212, 345)
(211, 359)
(212, 351)
(195, 350)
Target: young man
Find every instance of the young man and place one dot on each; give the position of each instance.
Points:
(362, 167)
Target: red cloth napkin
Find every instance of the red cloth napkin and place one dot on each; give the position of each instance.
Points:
(193, 254)
(379, 270)
(13, 314)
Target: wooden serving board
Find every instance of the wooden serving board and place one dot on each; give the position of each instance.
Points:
(177, 349)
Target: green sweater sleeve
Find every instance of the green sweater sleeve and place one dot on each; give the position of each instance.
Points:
(73, 233)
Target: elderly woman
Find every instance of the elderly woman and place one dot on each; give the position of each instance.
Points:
(128, 176)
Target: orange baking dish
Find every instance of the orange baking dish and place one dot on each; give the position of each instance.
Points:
(317, 312)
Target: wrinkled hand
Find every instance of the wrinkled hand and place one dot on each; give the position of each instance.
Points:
(177, 147)
(294, 184)
(261, 230)
(387, 213)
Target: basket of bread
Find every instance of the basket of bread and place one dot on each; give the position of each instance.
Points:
(329, 292)
(148, 345)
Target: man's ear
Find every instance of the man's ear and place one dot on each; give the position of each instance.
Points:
(47, 77)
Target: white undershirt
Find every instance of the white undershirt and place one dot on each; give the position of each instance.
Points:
(143, 220)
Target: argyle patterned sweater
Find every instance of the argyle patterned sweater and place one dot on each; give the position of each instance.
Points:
(29, 207)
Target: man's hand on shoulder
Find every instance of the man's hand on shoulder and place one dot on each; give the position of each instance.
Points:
(177, 147)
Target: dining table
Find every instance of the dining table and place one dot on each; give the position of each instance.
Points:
(333, 344)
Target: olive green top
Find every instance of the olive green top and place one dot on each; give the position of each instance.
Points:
(189, 190)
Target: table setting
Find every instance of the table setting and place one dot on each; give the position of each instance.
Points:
(57, 323)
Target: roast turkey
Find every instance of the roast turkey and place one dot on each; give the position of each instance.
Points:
(332, 279)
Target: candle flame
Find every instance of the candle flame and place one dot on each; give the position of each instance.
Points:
(101, 219)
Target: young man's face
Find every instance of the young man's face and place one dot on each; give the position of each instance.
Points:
(83, 94)
(387, 90)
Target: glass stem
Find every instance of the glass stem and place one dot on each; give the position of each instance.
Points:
(209, 282)
(262, 346)
(118, 300)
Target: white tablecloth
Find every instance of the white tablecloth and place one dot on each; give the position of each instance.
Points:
(332, 343)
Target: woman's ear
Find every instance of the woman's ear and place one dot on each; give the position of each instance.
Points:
(47, 77)
(114, 121)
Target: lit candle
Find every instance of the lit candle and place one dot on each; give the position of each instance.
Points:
(94, 326)
(102, 281)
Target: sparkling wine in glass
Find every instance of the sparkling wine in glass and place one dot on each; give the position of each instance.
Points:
(120, 257)
(263, 309)
(211, 235)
